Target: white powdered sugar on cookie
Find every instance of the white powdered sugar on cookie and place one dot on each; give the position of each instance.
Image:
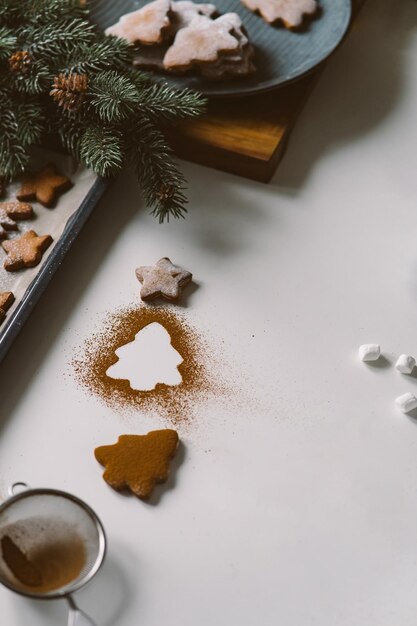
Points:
(146, 26)
(182, 36)
(184, 11)
(203, 41)
(290, 12)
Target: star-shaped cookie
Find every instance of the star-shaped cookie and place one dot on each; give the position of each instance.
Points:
(44, 186)
(138, 462)
(164, 279)
(6, 301)
(10, 212)
(25, 251)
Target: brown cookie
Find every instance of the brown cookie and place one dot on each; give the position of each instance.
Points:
(238, 64)
(6, 301)
(164, 279)
(147, 26)
(181, 14)
(184, 11)
(10, 212)
(202, 42)
(44, 186)
(25, 251)
(138, 462)
(290, 13)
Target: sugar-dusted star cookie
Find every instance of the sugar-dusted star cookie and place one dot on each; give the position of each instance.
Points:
(164, 279)
(289, 12)
(25, 251)
(6, 301)
(138, 462)
(10, 212)
(44, 186)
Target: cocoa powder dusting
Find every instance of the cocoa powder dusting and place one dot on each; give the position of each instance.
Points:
(174, 403)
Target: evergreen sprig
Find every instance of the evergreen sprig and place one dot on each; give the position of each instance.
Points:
(60, 75)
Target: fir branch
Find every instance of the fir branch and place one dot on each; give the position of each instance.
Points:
(161, 182)
(109, 51)
(113, 97)
(56, 39)
(7, 42)
(39, 11)
(101, 149)
(59, 75)
(160, 101)
(10, 11)
(35, 81)
(29, 123)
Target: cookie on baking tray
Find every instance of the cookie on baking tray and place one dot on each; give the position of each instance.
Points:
(6, 301)
(290, 13)
(138, 462)
(25, 251)
(44, 186)
(10, 212)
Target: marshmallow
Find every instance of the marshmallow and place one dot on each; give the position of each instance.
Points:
(407, 402)
(370, 352)
(405, 364)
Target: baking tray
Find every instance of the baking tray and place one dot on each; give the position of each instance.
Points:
(79, 203)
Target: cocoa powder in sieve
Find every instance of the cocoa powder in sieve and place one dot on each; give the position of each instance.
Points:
(174, 403)
(48, 564)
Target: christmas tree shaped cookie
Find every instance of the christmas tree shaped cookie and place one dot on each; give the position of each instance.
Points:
(138, 462)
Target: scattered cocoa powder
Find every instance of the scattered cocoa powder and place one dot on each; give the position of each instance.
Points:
(174, 403)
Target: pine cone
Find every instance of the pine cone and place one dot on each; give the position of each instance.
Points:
(69, 91)
(165, 193)
(20, 62)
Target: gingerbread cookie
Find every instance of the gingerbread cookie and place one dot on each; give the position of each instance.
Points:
(181, 14)
(290, 13)
(138, 462)
(184, 11)
(10, 212)
(44, 186)
(238, 64)
(164, 279)
(147, 26)
(6, 301)
(202, 42)
(25, 251)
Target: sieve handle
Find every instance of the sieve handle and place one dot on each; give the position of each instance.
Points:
(14, 489)
(76, 617)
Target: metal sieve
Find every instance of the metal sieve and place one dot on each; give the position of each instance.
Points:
(62, 540)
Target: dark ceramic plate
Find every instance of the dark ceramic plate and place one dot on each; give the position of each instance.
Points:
(281, 55)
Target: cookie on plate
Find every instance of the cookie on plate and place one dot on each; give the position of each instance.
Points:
(147, 26)
(202, 43)
(290, 13)
(181, 14)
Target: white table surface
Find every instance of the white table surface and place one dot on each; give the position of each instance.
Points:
(299, 508)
